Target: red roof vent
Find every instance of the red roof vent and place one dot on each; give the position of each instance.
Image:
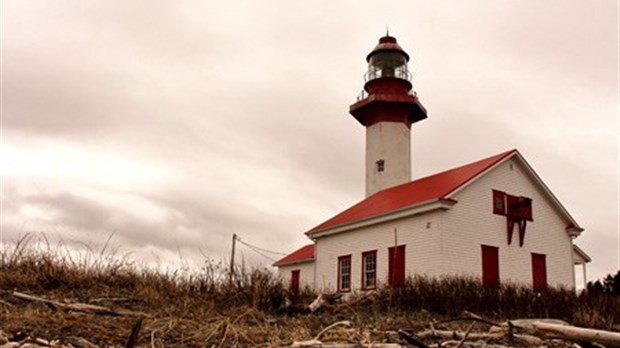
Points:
(387, 43)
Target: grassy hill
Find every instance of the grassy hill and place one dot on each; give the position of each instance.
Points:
(203, 308)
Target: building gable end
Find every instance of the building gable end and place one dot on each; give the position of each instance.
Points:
(573, 228)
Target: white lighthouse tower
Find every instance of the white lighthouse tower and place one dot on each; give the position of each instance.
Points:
(387, 107)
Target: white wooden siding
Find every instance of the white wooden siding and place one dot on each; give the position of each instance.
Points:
(471, 223)
(306, 273)
(422, 251)
(447, 242)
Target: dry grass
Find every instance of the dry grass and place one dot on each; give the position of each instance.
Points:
(451, 296)
(204, 309)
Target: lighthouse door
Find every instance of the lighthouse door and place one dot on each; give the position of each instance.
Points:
(295, 282)
(490, 266)
(539, 272)
(396, 265)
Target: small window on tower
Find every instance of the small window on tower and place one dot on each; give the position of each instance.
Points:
(380, 165)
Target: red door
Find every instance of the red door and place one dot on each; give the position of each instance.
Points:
(295, 282)
(539, 272)
(396, 265)
(490, 266)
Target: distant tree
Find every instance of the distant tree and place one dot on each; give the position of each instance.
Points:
(610, 284)
(595, 287)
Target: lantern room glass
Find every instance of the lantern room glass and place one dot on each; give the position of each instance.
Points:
(388, 64)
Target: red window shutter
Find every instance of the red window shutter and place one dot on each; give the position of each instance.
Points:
(499, 202)
(396, 266)
(490, 266)
(539, 272)
(519, 207)
(526, 209)
(512, 206)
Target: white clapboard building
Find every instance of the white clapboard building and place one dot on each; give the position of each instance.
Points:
(494, 218)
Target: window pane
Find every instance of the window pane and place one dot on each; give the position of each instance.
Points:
(345, 273)
(369, 271)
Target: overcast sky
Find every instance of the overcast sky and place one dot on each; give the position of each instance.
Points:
(171, 125)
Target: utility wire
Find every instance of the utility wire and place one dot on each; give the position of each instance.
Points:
(261, 249)
(255, 250)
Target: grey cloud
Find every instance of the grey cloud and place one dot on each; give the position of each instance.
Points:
(245, 103)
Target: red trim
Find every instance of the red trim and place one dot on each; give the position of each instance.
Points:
(338, 280)
(490, 266)
(363, 277)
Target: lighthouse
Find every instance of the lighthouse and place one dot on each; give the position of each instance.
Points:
(387, 107)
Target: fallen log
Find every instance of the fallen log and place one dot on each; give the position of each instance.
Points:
(319, 344)
(80, 342)
(324, 331)
(411, 340)
(79, 307)
(471, 326)
(323, 300)
(134, 335)
(475, 336)
(2, 302)
(577, 334)
(525, 325)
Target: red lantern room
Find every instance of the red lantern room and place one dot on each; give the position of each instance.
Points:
(388, 94)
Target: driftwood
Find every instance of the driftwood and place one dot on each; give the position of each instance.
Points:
(354, 345)
(525, 325)
(522, 332)
(315, 342)
(475, 336)
(319, 344)
(409, 339)
(577, 334)
(471, 326)
(322, 300)
(79, 307)
(135, 332)
(537, 330)
(6, 303)
(80, 342)
(112, 299)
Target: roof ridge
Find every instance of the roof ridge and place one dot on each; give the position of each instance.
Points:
(499, 156)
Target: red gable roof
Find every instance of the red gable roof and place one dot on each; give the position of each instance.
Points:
(426, 189)
(305, 253)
